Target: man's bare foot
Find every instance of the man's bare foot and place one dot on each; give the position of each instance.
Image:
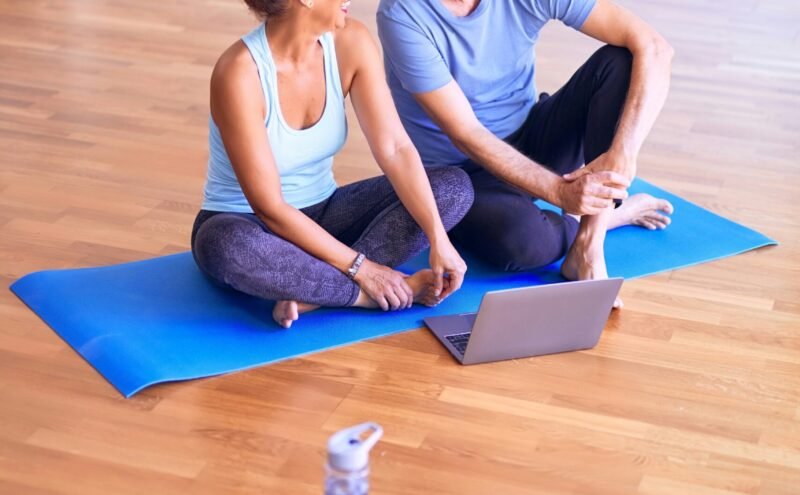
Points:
(643, 210)
(586, 264)
(287, 312)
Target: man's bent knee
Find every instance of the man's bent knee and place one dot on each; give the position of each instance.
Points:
(523, 253)
(614, 66)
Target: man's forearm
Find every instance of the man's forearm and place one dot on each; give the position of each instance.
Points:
(508, 164)
(650, 78)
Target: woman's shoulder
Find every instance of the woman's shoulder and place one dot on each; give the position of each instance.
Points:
(352, 48)
(234, 62)
(235, 76)
(353, 32)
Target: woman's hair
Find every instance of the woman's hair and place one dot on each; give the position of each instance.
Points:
(265, 9)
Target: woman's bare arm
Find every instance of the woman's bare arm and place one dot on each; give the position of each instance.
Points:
(238, 109)
(394, 150)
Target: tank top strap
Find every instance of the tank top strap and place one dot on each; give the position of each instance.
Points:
(256, 43)
(303, 157)
(334, 82)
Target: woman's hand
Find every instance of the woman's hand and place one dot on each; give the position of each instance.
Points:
(387, 287)
(445, 261)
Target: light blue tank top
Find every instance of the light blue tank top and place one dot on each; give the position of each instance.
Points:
(304, 157)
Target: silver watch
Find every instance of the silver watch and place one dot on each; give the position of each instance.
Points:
(351, 272)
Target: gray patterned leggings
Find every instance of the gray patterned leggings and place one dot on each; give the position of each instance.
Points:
(237, 250)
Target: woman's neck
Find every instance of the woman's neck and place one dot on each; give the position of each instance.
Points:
(291, 39)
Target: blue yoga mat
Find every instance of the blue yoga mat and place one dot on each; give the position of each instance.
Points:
(161, 320)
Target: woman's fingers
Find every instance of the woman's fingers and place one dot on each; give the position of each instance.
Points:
(438, 281)
(447, 285)
(456, 278)
(388, 288)
(402, 294)
(399, 288)
(392, 298)
(382, 302)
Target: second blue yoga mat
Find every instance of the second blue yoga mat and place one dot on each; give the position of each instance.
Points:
(161, 320)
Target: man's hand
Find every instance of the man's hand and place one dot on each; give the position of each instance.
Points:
(445, 261)
(608, 161)
(385, 286)
(589, 193)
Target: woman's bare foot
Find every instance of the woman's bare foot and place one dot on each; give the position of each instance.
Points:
(586, 264)
(422, 286)
(287, 312)
(643, 210)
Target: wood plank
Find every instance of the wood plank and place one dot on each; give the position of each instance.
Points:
(693, 388)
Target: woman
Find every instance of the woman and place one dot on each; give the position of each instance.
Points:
(273, 223)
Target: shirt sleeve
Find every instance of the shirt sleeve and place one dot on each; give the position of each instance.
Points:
(412, 56)
(573, 13)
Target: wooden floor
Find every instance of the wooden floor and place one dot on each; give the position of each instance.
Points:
(694, 388)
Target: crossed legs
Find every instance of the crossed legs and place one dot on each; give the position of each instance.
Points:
(562, 132)
(237, 250)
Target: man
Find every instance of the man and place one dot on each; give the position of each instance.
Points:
(462, 77)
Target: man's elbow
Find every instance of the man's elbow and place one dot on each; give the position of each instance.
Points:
(654, 46)
(665, 49)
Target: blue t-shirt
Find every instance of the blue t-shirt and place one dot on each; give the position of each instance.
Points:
(489, 53)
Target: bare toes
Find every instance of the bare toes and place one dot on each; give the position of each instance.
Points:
(659, 218)
(285, 313)
(429, 298)
(665, 206)
(657, 221)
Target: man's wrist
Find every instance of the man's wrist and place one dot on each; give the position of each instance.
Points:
(555, 192)
(624, 158)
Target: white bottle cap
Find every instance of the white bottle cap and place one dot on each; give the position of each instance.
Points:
(348, 449)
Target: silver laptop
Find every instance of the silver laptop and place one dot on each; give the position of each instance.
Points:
(530, 321)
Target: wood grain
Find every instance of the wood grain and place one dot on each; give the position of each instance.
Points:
(694, 388)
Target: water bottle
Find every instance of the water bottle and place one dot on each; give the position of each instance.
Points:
(347, 469)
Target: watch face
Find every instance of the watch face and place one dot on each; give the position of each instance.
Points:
(351, 272)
